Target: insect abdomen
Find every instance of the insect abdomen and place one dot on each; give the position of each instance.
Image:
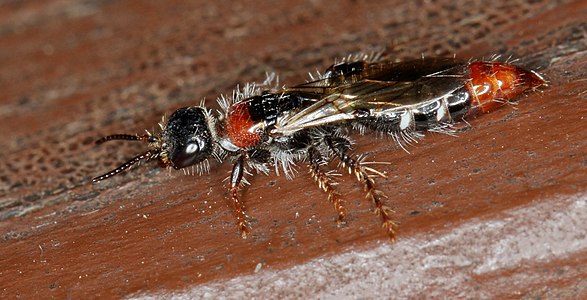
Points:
(484, 87)
(492, 84)
(452, 107)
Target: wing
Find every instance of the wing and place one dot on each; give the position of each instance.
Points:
(380, 87)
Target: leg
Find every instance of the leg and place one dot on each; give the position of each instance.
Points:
(340, 146)
(325, 182)
(236, 177)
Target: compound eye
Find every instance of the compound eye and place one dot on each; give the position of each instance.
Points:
(191, 148)
(192, 153)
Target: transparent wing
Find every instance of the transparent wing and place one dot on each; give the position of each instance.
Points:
(381, 87)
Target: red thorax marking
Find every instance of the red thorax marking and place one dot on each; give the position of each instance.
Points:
(240, 128)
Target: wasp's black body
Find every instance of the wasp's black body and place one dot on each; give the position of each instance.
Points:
(262, 127)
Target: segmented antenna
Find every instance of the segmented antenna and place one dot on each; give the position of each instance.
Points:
(126, 137)
(145, 156)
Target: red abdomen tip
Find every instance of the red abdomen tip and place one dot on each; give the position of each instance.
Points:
(493, 83)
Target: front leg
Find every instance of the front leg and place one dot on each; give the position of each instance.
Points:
(236, 177)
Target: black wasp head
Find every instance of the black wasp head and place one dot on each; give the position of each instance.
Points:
(187, 139)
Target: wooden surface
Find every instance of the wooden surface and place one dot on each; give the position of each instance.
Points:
(497, 212)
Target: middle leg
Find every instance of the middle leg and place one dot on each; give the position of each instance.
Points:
(340, 146)
(325, 182)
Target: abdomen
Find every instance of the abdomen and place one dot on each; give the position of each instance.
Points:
(453, 94)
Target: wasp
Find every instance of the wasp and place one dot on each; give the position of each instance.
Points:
(263, 127)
